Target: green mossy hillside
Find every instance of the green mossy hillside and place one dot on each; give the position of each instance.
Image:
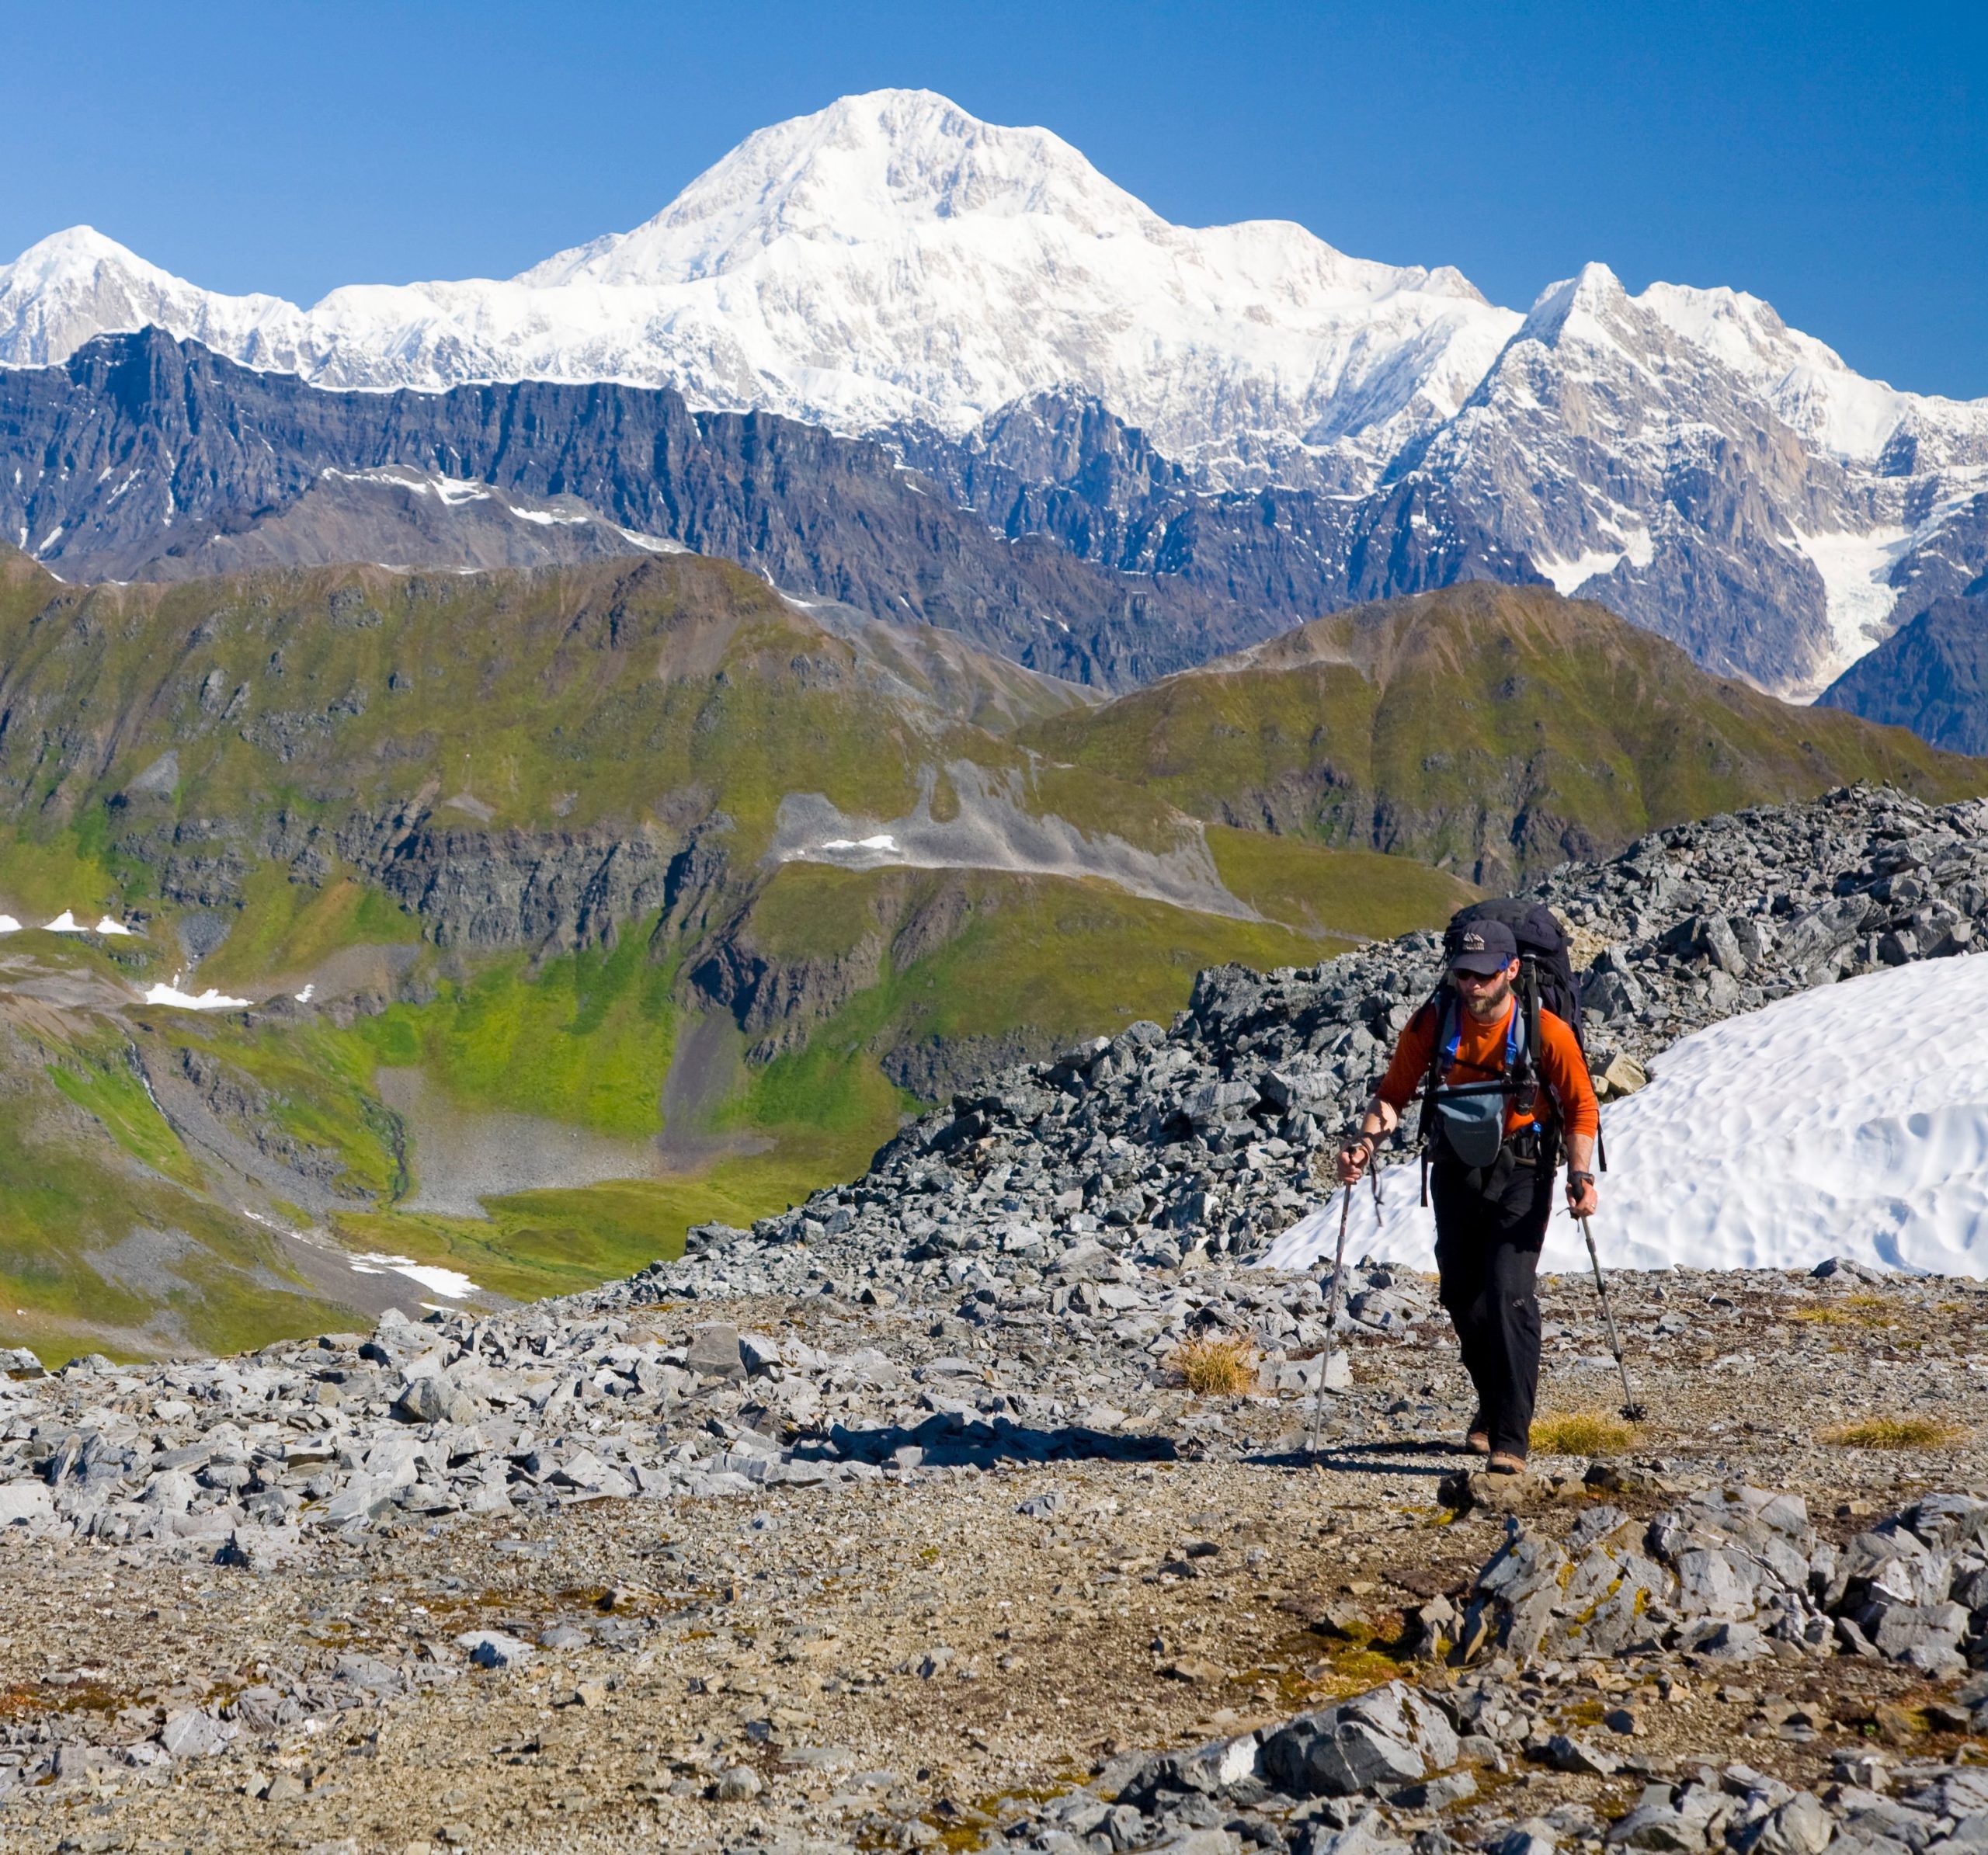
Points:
(235, 765)
(1494, 730)
(663, 691)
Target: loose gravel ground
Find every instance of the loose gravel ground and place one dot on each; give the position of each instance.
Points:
(928, 1655)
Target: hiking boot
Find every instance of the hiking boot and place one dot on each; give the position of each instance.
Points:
(1477, 1440)
(1504, 1463)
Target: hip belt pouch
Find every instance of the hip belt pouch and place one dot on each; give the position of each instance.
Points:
(1472, 1125)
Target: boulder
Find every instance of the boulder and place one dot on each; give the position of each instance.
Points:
(714, 1353)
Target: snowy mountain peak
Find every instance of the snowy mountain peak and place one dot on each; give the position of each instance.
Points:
(1594, 294)
(77, 284)
(76, 252)
(865, 169)
(892, 265)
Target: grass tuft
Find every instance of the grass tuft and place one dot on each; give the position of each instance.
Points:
(1895, 1432)
(1217, 1368)
(1580, 1433)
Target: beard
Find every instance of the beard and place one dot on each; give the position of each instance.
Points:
(1489, 1003)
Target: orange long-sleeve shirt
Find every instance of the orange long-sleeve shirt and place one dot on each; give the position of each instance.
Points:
(1481, 1055)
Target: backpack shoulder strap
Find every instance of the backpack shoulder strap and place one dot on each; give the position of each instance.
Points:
(1525, 1017)
(1443, 1004)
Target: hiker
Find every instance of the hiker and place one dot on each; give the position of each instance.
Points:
(1492, 1151)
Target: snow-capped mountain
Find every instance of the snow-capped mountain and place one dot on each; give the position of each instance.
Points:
(888, 261)
(892, 266)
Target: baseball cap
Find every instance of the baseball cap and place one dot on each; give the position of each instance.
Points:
(1480, 946)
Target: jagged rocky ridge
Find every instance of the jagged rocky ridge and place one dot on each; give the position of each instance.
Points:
(182, 463)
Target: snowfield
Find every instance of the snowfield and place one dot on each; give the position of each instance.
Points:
(1851, 1120)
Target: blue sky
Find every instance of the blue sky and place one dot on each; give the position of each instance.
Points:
(1832, 159)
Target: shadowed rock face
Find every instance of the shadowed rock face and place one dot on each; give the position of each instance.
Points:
(1931, 676)
(182, 461)
(517, 888)
(1602, 450)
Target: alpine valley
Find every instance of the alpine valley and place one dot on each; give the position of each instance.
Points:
(508, 924)
(493, 775)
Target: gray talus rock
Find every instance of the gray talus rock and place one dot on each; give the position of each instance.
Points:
(1677, 1823)
(1800, 1826)
(1325, 1755)
(713, 1353)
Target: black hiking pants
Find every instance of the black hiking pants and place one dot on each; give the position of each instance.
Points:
(1489, 1229)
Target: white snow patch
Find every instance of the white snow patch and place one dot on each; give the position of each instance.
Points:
(107, 925)
(8, 925)
(209, 1000)
(304, 997)
(653, 544)
(1568, 576)
(449, 1284)
(550, 518)
(65, 923)
(1850, 1120)
(882, 841)
(1854, 568)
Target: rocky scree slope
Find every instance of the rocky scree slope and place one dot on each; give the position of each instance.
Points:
(1163, 1142)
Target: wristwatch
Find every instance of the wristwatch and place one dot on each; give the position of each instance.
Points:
(1575, 1178)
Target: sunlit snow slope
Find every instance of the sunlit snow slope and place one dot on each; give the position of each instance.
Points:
(888, 259)
(1850, 1121)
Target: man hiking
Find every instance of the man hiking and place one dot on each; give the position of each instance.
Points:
(1492, 1152)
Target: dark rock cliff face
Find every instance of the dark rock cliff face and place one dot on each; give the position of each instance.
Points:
(1069, 470)
(1059, 537)
(513, 888)
(140, 450)
(1931, 676)
(1055, 534)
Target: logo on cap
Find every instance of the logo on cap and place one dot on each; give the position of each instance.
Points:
(1473, 941)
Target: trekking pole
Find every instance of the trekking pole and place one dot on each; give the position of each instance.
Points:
(1332, 1321)
(1630, 1409)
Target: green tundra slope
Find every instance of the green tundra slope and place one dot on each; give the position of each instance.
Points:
(545, 850)
(629, 895)
(1493, 730)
